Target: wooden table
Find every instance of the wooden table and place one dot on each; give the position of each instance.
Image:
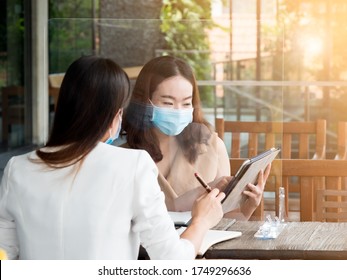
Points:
(298, 240)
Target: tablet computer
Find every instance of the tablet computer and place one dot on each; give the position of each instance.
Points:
(247, 173)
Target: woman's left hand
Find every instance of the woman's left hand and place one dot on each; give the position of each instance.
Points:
(255, 193)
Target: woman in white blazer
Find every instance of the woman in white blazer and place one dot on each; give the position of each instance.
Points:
(80, 198)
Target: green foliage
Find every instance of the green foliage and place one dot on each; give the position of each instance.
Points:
(184, 23)
(15, 39)
(70, 32)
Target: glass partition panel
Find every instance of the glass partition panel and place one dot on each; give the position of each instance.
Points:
(246, 70)
(229, 69)
(238, 79)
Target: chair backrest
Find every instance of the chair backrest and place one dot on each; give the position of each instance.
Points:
(275, 134)
(293, 138)
(55, 81)
(313, 175)
(308, 173)
(331, 206)
(132, 72)
(341, 141)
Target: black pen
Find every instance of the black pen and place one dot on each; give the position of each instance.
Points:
(202, 182)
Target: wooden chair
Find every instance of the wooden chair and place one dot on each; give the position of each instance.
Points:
(306, 171)
(341, 141)
(342, 146)
(133, 72)
(313, 175)
(331, 206)
(54, 81)
(275, 134)
(293, 138)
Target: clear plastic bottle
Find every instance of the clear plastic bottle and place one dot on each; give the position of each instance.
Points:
(282, 209)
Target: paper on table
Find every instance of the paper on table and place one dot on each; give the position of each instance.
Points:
(183, 219)
(213, 237)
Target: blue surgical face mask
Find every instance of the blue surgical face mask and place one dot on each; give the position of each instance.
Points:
(171, 121)
(116, 135)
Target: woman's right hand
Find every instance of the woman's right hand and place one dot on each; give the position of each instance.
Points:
(206, 213)
(207, 209)
(186, 201)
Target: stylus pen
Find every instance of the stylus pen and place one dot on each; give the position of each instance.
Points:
(203, 183)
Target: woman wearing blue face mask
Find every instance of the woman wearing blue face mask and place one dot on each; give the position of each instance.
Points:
(80, 198)
(165, 118)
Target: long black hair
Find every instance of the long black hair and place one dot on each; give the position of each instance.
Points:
(139, 133)
(92, 92)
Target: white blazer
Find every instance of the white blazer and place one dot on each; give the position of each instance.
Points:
(102, 209)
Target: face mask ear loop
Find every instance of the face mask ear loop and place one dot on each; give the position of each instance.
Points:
(150, 101)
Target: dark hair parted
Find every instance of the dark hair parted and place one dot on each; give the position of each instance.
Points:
(92, 92)
(139, 134)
